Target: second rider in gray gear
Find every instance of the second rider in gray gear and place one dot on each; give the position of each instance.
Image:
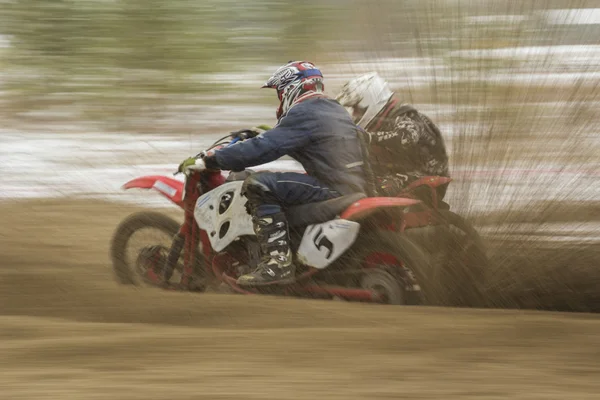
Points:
(405, 144)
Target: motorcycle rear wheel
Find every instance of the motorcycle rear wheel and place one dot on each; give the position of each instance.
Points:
(461, 276)
(390, 266)
(385, 285)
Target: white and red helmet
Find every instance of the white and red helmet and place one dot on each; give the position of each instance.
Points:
(364, 97)
(292, 81)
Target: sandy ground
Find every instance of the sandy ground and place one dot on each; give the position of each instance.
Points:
(68, 331)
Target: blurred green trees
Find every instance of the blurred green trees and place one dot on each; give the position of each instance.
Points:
(115, 59)
(106, 54)
(176, 35)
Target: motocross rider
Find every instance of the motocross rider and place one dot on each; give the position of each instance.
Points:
(314, 130)
(404, 144)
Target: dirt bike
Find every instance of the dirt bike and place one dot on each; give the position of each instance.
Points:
(354, 247)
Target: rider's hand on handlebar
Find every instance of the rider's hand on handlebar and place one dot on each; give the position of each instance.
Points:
(208, 153)
(192, 163)
(261, 128)
(250, 133)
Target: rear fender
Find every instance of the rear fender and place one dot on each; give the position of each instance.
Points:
(171, 188)
(365, 207)
(431, 181)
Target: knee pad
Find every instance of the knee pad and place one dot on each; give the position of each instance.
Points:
(239, 176)
(256, 189)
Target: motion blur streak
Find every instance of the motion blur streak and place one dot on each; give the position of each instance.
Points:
(93, 93)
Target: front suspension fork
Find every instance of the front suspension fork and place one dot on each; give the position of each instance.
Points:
(192, 239)
(186, 240)
(189, 236)
(173, 256)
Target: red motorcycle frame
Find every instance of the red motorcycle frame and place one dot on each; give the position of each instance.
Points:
(185, 195)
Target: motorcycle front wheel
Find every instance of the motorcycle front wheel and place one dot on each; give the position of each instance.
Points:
(140, 246)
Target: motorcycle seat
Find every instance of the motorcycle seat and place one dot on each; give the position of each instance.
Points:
(322, 211)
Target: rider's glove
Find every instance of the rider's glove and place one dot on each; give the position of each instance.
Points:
(261, 128)
(250, 133)
(193, 163)
(210, 152)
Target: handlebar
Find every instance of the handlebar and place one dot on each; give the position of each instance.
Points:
(236, 136)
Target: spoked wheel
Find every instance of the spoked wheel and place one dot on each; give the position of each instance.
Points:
(385, 286)
(140, 247)
(386, 263)
(460, 276)
(150, 262)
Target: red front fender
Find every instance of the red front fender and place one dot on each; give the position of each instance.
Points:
(171, 188)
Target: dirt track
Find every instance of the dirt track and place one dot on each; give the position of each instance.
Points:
(68, 330)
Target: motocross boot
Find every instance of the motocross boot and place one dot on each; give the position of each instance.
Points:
(276, 266)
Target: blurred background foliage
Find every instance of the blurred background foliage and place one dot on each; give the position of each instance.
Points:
(106, 54)
(128, 60)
